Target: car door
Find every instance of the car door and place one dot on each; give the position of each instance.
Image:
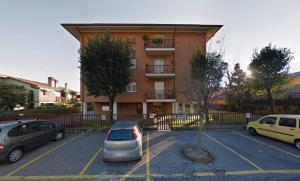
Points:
(48, 129)
(287, 129)
(30, 135)
(267, 126)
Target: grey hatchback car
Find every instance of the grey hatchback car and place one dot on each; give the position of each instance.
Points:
(123, 142)
(19, 136)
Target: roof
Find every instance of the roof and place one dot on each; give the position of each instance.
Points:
(126, 124)
(77, 28)
(14, 122)
(295, 74)
(33, 83)
(286, 115)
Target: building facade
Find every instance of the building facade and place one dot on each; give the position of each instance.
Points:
(43, 93)
(162, 54)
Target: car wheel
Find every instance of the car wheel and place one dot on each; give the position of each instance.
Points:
(15, 155)
(252, 131)
(297, 144)
(59, 136)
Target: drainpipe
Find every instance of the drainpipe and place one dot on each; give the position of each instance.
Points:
(174, 62)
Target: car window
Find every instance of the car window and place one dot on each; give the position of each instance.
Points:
(268, 120)
(14, 132)
(29, 128)
(44, 125)
(288, 122)
(121, 135)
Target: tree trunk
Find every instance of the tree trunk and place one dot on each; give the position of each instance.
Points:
(199, 141)
(270, 100)
(205, 108)
(111, 105)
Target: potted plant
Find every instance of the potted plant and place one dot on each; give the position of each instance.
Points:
(157, 40)
(145, 38)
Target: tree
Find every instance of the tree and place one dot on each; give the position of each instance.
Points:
(105, 67)
(73, 96)
(237, 88)
(204, 80)
(12, 95)
(270, 68)
(216, 70)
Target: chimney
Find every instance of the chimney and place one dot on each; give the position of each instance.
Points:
(52, 82)
(55, 83)
(66, 86)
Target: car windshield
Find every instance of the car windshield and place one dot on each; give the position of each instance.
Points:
(121, 135)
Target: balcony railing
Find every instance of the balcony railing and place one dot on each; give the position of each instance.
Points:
(160, 94)
(165, 43)
(160, 69)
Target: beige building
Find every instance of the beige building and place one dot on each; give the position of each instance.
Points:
(43, 93)
(162, 53)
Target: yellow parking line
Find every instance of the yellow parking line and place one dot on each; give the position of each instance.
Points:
(233, 151)
(103, 176)
(41, 156)
(148, 174)
(266, 144)
(90, 162)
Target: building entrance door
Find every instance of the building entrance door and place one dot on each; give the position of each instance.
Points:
(157, 107)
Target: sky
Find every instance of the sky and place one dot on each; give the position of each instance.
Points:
(34, 45)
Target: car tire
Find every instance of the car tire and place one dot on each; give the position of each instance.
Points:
(15, 155)
(59, 136)
(252, 132)
(297, 144)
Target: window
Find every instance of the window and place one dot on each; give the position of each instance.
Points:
(131, 87)
(44, 125)
(268, 120)
(133, 62)
(14, 132)
(288, 122)
(29, 128)
(44, 92)
(24, 129)
(180, 108)
(121, 135)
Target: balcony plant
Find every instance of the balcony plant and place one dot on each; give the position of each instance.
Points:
(145, 38)
(157, 40)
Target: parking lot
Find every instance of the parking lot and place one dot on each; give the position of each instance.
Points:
(237, 156)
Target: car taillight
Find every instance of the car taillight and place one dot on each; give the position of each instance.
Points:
(1, 147)
(107, 135)
(135, 134)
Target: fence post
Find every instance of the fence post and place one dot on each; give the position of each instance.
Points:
(72, 121)
(222, 120)
(248, 116)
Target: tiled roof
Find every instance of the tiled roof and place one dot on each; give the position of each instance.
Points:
(34, 83)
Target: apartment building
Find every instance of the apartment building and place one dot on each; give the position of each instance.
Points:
(162, 54)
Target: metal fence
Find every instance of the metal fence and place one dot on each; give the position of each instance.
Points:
(147, 121)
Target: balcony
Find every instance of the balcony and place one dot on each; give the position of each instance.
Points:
(160, 96)
(165, 46)
(160, 71)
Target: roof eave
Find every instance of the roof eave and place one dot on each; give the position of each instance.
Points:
(74, 29)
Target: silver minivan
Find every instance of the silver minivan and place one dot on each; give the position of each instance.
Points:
(16, 137)
(123, 142)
